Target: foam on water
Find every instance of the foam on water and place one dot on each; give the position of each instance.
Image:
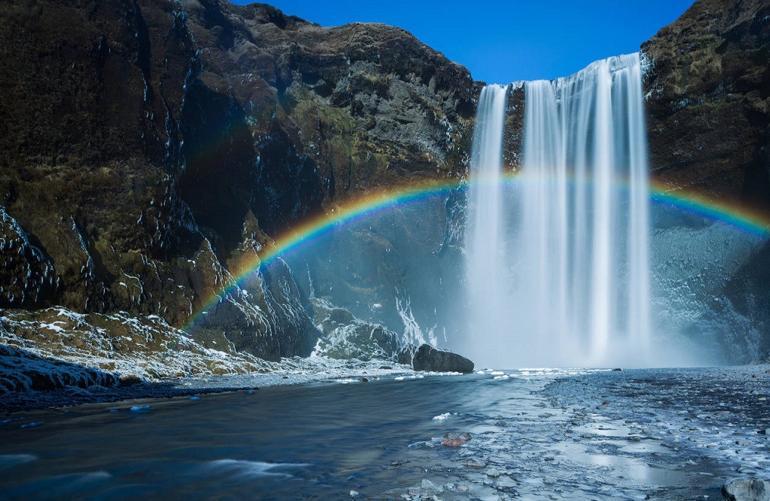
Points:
(11, 460)
(244, 468)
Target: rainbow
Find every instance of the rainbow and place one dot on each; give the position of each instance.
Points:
(371, 203)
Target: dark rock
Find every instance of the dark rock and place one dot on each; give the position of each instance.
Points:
(707, 91)
(746, 489)
(22, 371)
(428, 358)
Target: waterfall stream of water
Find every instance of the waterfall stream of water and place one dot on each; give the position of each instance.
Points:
(558, 267)
(484, 235)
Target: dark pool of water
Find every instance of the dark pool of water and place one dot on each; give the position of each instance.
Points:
(532, 434)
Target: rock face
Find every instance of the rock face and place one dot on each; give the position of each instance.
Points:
(428, 358)
(346, 337)
(708, 98)
(150, 148)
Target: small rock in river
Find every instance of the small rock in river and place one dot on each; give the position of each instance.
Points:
(746, 489)
(455, 440)
(428, 485)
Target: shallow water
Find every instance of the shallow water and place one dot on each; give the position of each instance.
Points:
(533, 434)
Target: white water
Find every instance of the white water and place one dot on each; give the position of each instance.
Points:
(569, 283)
(484, 235)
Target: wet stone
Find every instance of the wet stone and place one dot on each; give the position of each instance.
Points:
(746, 489)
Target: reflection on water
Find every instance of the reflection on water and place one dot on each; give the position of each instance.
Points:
(381, 439)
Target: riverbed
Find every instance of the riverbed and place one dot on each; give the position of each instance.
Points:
(529, 433)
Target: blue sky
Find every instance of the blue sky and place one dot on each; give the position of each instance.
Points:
(508, 40)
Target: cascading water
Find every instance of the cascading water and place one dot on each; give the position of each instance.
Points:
(576, 252)
(485, 254)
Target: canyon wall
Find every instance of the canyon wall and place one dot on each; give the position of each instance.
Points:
(149, 147)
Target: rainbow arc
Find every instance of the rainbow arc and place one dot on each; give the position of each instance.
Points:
(369, 204)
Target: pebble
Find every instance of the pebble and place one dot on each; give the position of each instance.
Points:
(452, 440)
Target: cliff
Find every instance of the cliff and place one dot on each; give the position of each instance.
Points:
(151, 146)
(708, 99)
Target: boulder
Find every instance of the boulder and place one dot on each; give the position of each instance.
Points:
(746, 489)
(428, 358)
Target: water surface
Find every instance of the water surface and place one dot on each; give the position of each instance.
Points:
(533, 433)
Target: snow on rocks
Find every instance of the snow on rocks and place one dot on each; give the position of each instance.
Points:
(57, 348)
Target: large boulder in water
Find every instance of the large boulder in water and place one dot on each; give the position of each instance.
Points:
(429, 358)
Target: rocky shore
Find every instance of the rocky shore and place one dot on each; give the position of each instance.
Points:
(58, 357)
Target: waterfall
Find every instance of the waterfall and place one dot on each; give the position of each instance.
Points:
(484, 235)
(567, 281)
